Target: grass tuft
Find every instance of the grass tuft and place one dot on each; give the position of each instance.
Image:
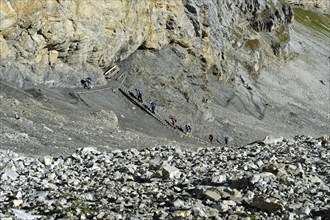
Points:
(252, 44)
(315, 20)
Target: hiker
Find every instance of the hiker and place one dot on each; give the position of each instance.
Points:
(138, 95)
(153, 106)
(211, 138)
(226, 139)
(87, 83)
(173, 121)
(188, 130)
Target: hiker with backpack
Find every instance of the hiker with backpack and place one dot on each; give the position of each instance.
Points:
(173, 121)
(138, 95)
(87, 83)
(188, 130)
(153, 106)
(211, 138)
(226, 139)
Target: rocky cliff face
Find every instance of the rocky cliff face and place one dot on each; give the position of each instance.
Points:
(57, 42)
(240, 68)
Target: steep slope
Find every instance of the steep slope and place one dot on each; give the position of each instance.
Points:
(234, 68)
(288, 96)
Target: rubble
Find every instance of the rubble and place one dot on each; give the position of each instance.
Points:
(168, 182)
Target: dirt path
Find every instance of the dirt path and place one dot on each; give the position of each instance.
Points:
(58, 121)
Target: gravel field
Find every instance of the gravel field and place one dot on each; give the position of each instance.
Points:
(273, 179)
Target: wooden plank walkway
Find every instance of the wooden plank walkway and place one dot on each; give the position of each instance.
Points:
(145, 106)
(111, 72)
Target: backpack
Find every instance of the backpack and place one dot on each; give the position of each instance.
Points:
(138, 92)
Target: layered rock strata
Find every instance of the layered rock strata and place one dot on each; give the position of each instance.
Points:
(56, 42)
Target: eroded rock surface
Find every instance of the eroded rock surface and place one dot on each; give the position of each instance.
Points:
(57, 42)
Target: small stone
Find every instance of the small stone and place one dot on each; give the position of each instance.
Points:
(260, 163)
(281, 173)
(265, 176)
(181, 213)
(291, 216)
(198, 211)
(299, 170)
(212, 195)
(211, 212)
(88, 150)
(305, 210)
(104, 201)
(48, 129)
(51, 176)
(9, 173)
(100, 215)
(222, 207)
(255, 178)
(266, 204)
(17, 202)
(157, 174)
(170, 172)
(118, 153)
(236, 195)
(47, 160)
(62, 201)
(89, 197)
(41, 195)
(177, 189)
(134, 151)
(178, 203)
(219, 179)
(249, 195)
(315, 179)
(19, 195)
(224, 194)
(229, 203)
(21, 214)
(131, 168)
(233, 217)
(155, 164)
(272, 140)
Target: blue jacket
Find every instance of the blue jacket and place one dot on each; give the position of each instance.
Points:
(153, 104)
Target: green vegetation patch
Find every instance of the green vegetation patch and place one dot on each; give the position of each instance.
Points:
(318, 21)
(251, 216)
(252, 44)
(282, 34)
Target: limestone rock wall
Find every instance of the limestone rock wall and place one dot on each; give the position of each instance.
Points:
(57, 42)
